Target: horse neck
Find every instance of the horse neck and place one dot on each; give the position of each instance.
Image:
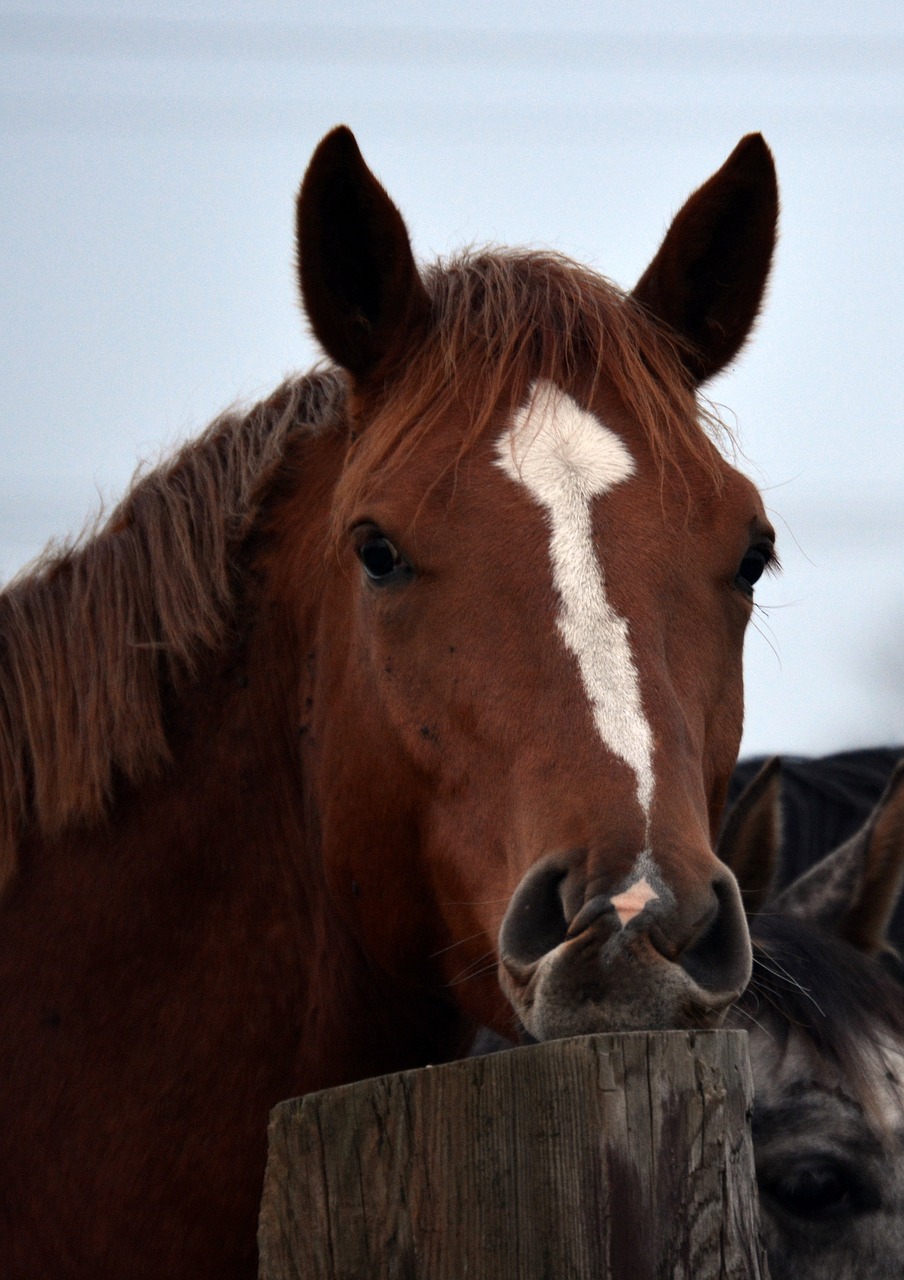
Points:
(207, 880)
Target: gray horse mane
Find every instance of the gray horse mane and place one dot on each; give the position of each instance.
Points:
(847, 1004)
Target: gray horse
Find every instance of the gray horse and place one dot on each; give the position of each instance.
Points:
(825, 1016)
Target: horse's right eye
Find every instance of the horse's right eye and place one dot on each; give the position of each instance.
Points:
(381, 560)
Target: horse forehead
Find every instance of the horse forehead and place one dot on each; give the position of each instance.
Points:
(562, 453)
(798, 1065)
(889, 1065)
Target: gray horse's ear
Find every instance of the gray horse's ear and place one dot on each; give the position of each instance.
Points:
(853, 892)
(752, 835)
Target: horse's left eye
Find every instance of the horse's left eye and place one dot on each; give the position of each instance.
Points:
(752, 568)
(382, 562)
(817, 1189)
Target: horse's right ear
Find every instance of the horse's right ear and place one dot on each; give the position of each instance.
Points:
(853, 892)
(359, 282)
(752, 836)
(707, 281)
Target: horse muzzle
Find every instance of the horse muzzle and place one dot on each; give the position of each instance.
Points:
(575, 961)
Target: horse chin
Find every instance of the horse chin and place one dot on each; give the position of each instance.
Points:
(577, 989)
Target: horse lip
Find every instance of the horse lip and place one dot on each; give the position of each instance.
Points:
(714, 1004)
(589, 913)
(586, 922)
(702, 1008)
(710, 1002)
(724, 999)
(666, 947)
(521, 974)
(661, 943)
(698, 1009)
(707, 1015)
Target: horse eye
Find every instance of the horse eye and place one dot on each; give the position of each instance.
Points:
(815, 1190)
(752, 568)
(382, 562)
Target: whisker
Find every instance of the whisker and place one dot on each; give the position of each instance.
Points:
(777, 999)
(480, 973)
(471, 970)
(758, 616)
(781, 972)
(487, 955)
(453, 945)
(478, 902)
(744, 1013)
(777, 516)
(463, 974)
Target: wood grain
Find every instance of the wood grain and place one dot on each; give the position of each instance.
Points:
(623, 1156)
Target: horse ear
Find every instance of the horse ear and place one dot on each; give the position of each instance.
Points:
(854, 891)
(707, 281)
(752, 836)
(359, 282)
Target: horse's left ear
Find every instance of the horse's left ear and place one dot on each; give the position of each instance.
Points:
(359, 281)
(707, 281)
(854, 891)
(752, 836)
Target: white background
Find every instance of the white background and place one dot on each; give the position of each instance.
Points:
(150, 155)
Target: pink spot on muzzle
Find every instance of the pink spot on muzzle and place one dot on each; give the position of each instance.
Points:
(632, 900)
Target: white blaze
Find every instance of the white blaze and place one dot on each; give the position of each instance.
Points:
(565, 457)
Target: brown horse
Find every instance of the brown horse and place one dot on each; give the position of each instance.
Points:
(416, 684)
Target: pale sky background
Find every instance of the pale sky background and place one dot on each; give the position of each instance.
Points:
(150, 155)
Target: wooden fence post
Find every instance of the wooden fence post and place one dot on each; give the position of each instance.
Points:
(609, 1156)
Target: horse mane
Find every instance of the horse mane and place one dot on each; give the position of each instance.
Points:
(95, 631)
(502, 319)
(848, 1005)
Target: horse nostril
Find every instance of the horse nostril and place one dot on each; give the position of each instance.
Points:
(535, 920)
(719, 957)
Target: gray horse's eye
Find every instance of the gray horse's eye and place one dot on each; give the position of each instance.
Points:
(819, 1189)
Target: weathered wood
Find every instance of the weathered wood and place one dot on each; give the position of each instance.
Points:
(622, 1156)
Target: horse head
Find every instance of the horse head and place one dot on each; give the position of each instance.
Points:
(522, 698)
(825, 1018)
(403, 700)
